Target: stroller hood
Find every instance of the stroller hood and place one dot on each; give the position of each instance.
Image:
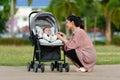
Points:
(43, 19)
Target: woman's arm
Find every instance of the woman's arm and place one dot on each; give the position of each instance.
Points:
(74, 42)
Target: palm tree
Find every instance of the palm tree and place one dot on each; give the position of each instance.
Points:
(29, 2)
(63, 8)
(90, 13)
(12, 16)
(109, 7)
(13, 10)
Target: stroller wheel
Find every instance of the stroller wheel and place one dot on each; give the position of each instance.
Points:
(67, 68)
(60, 67)
(35, 67)
(42, 67)
(28, 66)
(52, 66)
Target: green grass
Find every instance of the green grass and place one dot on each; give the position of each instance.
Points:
(108, 54)
(20, 55)
(15, 55)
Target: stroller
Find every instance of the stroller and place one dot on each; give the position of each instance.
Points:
(45, 52)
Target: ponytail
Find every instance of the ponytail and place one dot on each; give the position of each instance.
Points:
(80, 23)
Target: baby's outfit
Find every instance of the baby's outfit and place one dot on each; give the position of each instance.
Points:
(49, 38)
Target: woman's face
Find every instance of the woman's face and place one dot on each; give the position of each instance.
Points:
(69, 24)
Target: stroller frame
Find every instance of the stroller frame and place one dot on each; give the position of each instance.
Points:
(37, 62)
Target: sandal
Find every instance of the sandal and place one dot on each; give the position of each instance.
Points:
(77, 70)
(81, 69)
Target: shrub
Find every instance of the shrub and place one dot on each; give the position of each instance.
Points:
(99, 43)
(116, 40)
(14, 41)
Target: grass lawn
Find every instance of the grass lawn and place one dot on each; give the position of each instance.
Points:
(15, 55)
(20, 55)
(108, 54)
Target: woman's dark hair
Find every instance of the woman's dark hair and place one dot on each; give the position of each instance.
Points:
(77, 20)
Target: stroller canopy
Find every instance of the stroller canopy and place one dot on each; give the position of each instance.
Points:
(43, 19)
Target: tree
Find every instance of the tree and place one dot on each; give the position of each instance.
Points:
(29, 2)
(12, 2)
(109, 7)
(115, 16)
(90, 13)
(4, 14)
(62, 8)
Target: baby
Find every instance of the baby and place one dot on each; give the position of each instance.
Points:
(48, 36)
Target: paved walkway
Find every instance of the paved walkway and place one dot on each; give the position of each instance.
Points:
(101, 72)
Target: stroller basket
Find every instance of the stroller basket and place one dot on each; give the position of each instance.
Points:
(49, 53)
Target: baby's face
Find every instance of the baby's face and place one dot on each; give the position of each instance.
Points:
(47, 31)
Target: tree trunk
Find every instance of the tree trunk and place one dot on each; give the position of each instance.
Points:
(67, 33)
(108, 31)
(12, 18)
(85, 24)
(95, 21)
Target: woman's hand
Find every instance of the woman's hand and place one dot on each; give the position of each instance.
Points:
(61, 36)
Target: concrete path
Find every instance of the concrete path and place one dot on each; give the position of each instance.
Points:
(101, 72)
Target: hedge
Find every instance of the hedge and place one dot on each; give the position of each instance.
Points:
(14, 41)
(116, 40)
(21, 41)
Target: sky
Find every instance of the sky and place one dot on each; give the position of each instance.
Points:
(36, 3)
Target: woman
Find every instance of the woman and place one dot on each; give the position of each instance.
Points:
(79, 48)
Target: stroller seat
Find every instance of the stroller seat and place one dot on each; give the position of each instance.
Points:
(39, 32)
(47, 43)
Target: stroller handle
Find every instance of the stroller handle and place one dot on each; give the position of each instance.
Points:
(30, 16)
(33, 13)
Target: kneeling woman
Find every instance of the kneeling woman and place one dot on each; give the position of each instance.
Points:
(79, 49)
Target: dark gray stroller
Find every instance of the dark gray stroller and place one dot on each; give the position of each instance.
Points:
(45, 52)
